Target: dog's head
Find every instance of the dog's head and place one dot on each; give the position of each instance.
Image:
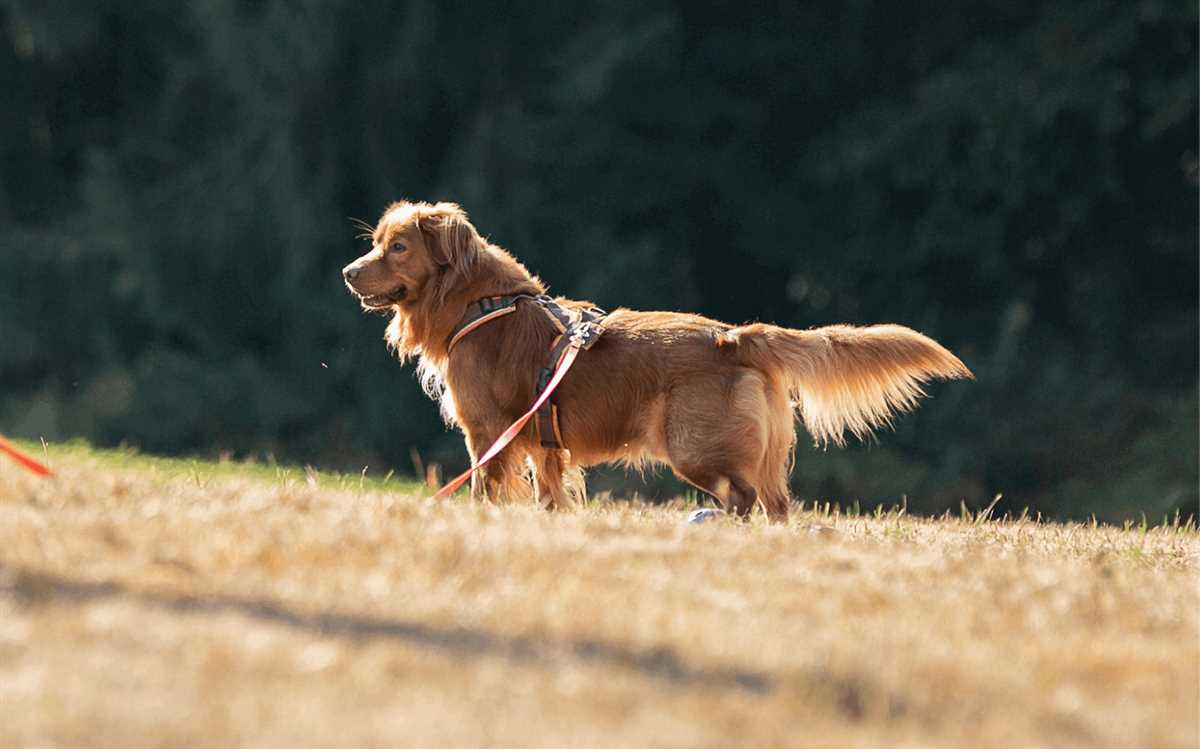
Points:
(418, 252)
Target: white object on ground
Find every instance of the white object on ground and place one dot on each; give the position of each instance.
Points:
(704, 515)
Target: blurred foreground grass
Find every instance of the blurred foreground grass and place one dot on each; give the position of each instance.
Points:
(150, 602)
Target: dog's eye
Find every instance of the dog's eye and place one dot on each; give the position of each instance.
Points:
(396, 247)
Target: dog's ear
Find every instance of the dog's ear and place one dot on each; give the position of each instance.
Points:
(452, 240)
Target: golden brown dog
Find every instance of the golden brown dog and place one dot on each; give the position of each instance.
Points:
(713, 401)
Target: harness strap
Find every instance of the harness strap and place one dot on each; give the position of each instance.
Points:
(576, 328)
(582, 330)
(483, 311)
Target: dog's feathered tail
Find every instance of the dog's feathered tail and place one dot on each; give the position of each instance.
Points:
(847, 378)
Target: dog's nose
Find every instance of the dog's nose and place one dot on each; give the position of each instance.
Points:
(349, 273)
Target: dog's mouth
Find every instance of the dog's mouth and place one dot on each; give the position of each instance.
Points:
(376, 301)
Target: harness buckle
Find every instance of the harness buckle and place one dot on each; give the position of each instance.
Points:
(584, 334)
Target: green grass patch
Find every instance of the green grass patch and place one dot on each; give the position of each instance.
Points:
(57, 455)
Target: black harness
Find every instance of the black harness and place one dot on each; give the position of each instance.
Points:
(581, 326)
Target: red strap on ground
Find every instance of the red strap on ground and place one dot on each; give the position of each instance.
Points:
(568, 358)
(23, 459)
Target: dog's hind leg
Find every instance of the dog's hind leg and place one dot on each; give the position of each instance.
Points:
(715, 438)
(732, 492)
(775, 501)
(772, 476)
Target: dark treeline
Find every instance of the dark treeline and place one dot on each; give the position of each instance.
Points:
(1017, 179)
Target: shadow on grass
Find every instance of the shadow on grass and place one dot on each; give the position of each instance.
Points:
(36, 588)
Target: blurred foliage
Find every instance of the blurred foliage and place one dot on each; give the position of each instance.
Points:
(1017, 179)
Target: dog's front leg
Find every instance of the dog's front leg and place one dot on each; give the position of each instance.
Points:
(494, 481)
(500, 480)
(548, 479)
(478, 492)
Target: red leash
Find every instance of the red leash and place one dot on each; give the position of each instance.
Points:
(568, 358)
(24, 460)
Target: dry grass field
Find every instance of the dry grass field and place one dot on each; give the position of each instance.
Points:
(148, 603)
